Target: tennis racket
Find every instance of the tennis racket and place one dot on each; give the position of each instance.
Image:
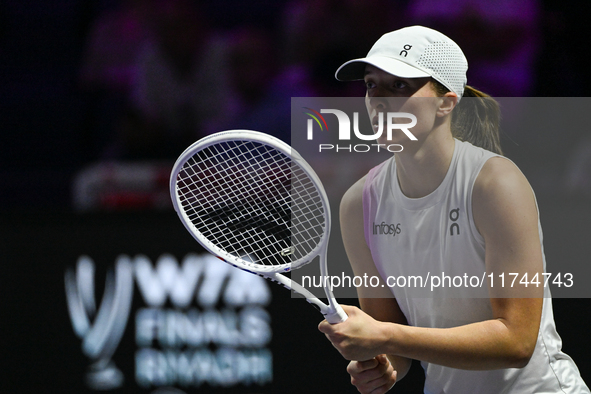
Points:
(254, 202)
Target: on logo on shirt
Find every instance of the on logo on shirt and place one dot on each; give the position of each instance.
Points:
(454, 214)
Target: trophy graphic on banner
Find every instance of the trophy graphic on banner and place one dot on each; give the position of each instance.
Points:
(100, 330)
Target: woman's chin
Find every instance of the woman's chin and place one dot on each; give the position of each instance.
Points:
(383, 140)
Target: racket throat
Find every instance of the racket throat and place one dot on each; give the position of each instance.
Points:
(332, 312)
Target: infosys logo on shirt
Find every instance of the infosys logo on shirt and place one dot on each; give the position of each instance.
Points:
(386, 229)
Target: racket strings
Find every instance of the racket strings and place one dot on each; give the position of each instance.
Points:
(256, 222)
(233, 215)
(250, 199)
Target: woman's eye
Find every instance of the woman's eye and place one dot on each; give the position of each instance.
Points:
(399, 85)
(369, 85)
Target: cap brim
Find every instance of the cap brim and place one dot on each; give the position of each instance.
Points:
(354, 70)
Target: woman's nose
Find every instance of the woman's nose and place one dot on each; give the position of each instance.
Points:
(378, 103)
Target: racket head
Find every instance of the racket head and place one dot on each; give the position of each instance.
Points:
(252, 200)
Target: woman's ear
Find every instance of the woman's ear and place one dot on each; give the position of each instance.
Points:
(448, 103)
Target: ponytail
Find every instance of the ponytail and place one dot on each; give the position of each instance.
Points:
(475, 120)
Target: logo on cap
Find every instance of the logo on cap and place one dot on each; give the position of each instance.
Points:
(404, 51)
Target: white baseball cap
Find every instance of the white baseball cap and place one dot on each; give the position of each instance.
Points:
(413, 52)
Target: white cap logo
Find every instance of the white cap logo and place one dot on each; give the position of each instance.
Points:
(406, 48)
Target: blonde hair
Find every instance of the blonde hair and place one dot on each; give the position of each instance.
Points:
(476, 120)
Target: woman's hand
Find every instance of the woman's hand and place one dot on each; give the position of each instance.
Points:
(375, 376)
(360, 337)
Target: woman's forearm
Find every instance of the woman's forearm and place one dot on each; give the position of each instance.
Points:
(490, 344)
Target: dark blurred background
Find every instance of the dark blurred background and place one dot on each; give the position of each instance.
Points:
(98, 98)
(89, 81)
(110, 81)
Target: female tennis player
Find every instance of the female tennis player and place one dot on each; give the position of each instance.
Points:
(459, 209)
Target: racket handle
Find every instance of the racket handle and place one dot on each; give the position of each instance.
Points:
(336, 316)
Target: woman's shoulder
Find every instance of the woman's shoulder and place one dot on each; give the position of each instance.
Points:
(501, 190)
(353, 197)
(482, 166)
(498, 172)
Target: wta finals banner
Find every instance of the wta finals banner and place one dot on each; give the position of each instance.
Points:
(547, 138)
(203, 322)
(129, 303)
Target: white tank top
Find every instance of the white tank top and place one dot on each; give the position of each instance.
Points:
(436, 234)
